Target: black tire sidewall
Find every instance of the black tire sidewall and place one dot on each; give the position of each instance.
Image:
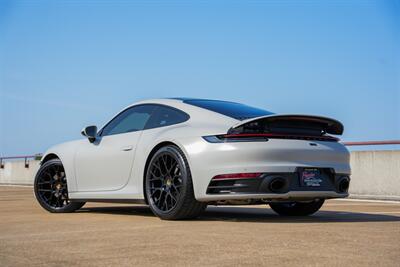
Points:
(186, 175)
(72, 206)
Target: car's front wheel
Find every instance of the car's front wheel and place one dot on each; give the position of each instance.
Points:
(169, 187)
(51, 189)
(297, 208)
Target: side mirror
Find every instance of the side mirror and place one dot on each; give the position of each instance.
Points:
(90, 132)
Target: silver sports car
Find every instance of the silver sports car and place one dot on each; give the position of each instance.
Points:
(180, 155)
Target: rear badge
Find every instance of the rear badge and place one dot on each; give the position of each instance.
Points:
(313, 144)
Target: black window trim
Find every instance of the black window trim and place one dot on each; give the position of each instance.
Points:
(100, 133)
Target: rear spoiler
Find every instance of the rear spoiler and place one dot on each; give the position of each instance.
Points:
(294, 121)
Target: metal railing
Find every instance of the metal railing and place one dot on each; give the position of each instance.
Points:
(26, 159)
(372, 143)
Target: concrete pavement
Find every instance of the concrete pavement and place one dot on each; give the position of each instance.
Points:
(344, 232)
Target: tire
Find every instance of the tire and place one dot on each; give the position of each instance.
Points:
(297, 208)
(50, 187)
(169, 187)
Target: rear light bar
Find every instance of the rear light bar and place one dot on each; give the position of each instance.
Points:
(265, 136)
(249, 175)
(284, 136)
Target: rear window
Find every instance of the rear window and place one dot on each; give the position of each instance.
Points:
(231, 109)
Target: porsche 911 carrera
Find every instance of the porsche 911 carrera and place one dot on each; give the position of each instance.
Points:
(180, 155)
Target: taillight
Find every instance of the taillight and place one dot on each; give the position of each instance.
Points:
(251, 137)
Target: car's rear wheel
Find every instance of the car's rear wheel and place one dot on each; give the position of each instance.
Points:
(169, 187)
(297, 208)
(51, 189)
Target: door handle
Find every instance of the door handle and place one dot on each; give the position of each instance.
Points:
(127, 148)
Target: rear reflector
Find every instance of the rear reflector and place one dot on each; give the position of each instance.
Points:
(238, 176)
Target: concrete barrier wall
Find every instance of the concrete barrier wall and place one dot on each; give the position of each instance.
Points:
(375, 174)
(14, 172)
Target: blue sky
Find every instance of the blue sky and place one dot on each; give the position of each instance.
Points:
(67, 64)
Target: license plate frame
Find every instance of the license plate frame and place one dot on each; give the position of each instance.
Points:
(311, 177)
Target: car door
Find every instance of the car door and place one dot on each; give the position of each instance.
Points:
(106, 164)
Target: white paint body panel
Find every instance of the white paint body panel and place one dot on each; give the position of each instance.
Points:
(106, 172)
(106, 165)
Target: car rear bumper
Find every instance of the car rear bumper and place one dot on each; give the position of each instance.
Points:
(273, 156)
(290, 196)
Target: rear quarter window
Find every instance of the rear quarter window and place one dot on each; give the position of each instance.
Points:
(165, 116)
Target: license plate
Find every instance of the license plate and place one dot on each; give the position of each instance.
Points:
(310, 177)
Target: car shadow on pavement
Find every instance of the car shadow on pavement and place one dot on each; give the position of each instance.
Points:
(138, 210)
(247, 214)
(250, 214)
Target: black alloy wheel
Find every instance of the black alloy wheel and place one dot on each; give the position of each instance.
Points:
(51, 189)
(169, 188)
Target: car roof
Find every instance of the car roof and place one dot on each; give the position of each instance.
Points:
(183, 99)
(172, 100)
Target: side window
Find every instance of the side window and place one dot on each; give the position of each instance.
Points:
(131, 120)
(164, 116)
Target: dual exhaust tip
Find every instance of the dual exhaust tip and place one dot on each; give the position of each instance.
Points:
(343, 184)
(275, 184)
(278, 184)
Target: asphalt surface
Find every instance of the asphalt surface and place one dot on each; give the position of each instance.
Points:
(342, 233)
